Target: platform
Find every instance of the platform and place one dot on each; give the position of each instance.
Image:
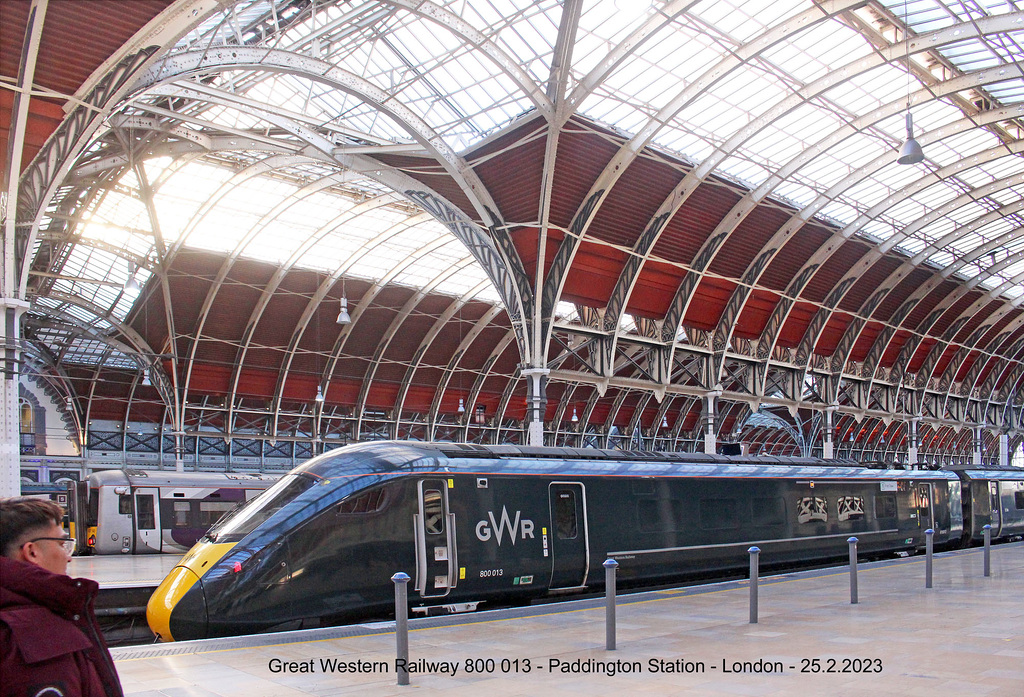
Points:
(965, 636)
(123, 570)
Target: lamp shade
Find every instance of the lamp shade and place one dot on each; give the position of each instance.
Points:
(343, 316)
(911, 152)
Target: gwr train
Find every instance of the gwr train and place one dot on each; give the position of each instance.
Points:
(473, 524)
(146, 512)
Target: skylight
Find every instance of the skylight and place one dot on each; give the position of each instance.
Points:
(795, 92)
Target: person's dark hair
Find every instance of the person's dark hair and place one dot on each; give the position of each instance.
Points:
(20, 515)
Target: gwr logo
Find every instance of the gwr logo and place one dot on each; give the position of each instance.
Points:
(521, 528)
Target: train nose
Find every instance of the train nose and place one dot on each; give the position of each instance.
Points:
(177, 609)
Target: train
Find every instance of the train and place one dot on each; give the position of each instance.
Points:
(134, 511)
(476, 525)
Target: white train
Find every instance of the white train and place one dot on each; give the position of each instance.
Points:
(147, 512)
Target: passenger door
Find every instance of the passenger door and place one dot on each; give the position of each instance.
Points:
(925, 510)
(997, 509)
(434, 528)
(147, 515)
(570, 548)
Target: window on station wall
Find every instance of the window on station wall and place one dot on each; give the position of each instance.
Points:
(27, 418)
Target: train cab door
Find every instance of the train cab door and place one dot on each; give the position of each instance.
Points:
(570, 545)
(147, 516)
(434, 526)
(78, 512)
(997, 509)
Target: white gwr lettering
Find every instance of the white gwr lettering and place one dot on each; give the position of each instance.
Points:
(515, 527)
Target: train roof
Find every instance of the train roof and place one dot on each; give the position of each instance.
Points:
(1009, 474)
(398, 457)
(139, 477)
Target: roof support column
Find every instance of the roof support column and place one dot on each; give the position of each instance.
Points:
(828, 448)
(913, 443)
(1004, 449)
(12, 308)
(15, 146)
(536, 386)
(710, 437)
(10, 438)
(179, 450)
(976, 434)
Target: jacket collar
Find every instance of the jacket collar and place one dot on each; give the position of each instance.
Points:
(61, 594)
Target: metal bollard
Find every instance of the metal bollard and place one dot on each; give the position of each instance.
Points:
(929, 548)
(754, 552)
(853, 570)
(401, 581)
(988, 549)
(610, 565)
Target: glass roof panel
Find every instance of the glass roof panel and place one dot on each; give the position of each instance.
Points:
(464, 87)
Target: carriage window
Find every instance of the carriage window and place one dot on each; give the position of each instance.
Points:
(1018, 499)
(181, 511)
(719, 514)
(145, 513)
(659, 515)
(367, 502)
(433, 512)
(812, 509)
(565, 515)
(768, 511)
(850, 508)
(885, 507)
(124, 505)
(211, 511)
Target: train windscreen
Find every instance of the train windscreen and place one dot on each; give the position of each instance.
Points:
(234, 526)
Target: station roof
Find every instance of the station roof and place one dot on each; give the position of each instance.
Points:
(719, 177)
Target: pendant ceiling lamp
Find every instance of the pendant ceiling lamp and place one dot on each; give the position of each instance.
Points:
(911, 152)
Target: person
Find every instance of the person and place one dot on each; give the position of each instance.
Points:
(50, 642)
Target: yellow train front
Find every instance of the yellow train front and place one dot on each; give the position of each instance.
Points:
(250, 573)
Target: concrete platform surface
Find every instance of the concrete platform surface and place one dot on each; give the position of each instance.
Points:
(963, 638)
(122, 570)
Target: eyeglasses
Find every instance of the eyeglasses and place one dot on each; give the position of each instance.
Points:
(68, 543)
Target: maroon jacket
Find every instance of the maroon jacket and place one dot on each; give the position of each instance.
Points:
(50, 644)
